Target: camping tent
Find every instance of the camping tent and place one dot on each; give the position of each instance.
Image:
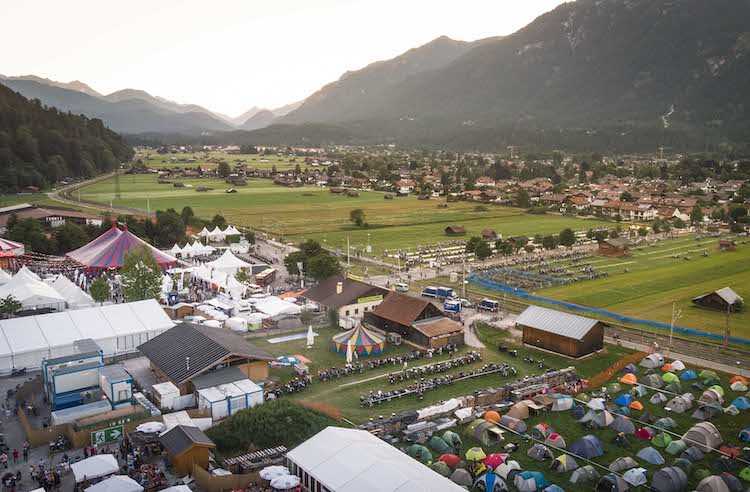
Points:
(363, 341)
(562, 403)
(670, 479)
(487, 433)
(678, 404)
(650, 455)
(541, 431)
(490, 482)
(714, 483)
(661, 440)
(74, 296)
(738, 386)
(629, 378)
(688, 376)
(97, 466)
(584, 474)
(635, 476)
(704, 436)
(519, 411)
(109, 250)
(539, 452)
(678, 365)
(624, 400)
(439, 445)
(630, 368)
(622, 464)
(419, 452)
(692, 453)
(652, 361)
(494, 460)
(623, 424)
(563, 463)
(658, 397)
(116, 483)
(645, 433)
(555, 440)
(744, 435)
(651, 380)
(453, 439)
(462, 477)
(742, 403)
(509, 469)
(530, 481)
(513, 424)
(676, 447)
(587, 446)
(612, 483)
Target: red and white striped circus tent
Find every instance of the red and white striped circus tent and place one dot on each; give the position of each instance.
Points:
(9, 251)
(109, 250)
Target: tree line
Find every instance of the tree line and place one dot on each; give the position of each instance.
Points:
(40, 145)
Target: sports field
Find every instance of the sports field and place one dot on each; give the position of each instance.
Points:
(314, 212)
(205, 160)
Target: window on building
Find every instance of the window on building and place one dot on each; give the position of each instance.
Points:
(347, 312)
(356, 311)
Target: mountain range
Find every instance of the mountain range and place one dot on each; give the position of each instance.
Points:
(617, 70)
(135, 111)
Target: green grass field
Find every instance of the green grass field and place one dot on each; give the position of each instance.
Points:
(162, 161)
(655, 279)
(314, 212)
(344, 393)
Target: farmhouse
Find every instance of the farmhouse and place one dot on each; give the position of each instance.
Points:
(186, 351)
(563, 333)
(489, 235)
(617, 246)
(338, 460)
(722, 300)
(49, 217)
(455, 231)
(417, 320)
(347, 296)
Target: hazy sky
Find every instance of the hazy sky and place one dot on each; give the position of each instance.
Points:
(229, 55)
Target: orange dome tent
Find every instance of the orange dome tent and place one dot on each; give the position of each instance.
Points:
(491, 416)
(734, 379)
(629, 378)
(636, 405)
(667, 368)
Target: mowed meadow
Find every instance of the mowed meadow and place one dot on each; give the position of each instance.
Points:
(655, 279)
(314, 212)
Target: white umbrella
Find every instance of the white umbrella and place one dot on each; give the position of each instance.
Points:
(150, 427)
(349, 352)
(285, 482)
(271, 472)
(310, 337)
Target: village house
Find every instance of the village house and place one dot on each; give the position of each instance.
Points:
(484, 182)
(404, 186)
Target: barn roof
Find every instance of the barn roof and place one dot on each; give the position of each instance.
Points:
(557, 322)
(400, 308)
(325, 292)
(727, 294)
(438, 326)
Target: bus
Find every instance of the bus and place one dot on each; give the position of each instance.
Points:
(266, 277)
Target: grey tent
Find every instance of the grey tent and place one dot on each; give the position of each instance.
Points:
(704, 436)
(623, 424)
(453, 439)
(692, 453)
(658, 398)
(652, 361)
(540, 452)
(652, 380)
(714, 483)
(702, 413)
(685, 465)
(485, 432)
(733, 483)
(612, 483)
(584, 474)
(438, 444)
(555, 440)
(564, 463)
(676, 447)
(670, 479)
(665, 423)
(678, 404)
(650, 455)
(635, 476)
(673, 387)
(441, 468)
(462, 477)
(513, 423)
(621, 464)
(587, 446)
(639, 391)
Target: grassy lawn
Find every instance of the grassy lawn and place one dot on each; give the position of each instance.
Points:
(162, 161)
(344, 393)
(314, 212)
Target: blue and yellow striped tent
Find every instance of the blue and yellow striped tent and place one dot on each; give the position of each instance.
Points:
(364, 342)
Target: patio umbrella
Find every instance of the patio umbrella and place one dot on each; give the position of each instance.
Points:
(286, 482)
(271, 472)
(310, 337)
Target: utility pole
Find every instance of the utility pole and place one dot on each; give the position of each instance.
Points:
(463, 279)
(348, 252)
(675, 316)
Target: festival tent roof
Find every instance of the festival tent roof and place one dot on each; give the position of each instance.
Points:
(12, 246)
(228, 263)
(97, 466)
(109, 250)
(176, 249)
(232, 231)
(32, 293)
(204, 232)
(274, 306)
(116, 483)
(24, 270)
(74, 295)
(704, 436)
(5, 277)
(363, 341)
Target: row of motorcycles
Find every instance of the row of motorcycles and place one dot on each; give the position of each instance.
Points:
(468, 358)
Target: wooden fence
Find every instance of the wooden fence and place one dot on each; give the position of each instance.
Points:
(222, 483)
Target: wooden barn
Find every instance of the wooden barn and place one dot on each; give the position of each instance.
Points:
(455, 231)
(727, 245)
(416, 320)
(617, 246)
(721, 300)
(563, 333)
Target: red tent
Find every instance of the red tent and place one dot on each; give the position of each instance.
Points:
(109, 250)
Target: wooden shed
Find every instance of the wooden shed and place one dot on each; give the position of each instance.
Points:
(563, 333)
(455, 231)
(185, 447)
(617, 246)
(721, 300)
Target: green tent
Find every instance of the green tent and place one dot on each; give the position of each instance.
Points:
(419, 452)
(661, 440)
(439, 445)
(614, 387)
(718, 389)
(670, 377)
(453, 439)
(700, 474)
(706, 374)
(584, 397)
(676, 447)
(745, 474)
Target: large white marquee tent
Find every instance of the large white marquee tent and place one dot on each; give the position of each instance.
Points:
(228, 263)
(32, 293)
(73, 295)
(117, 329)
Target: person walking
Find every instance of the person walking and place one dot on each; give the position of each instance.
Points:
(4, 460)
(15, 456)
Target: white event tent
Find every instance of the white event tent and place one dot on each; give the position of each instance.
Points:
(97, 466)
(116, 483)
(74, 295)
(117, 329)
(217, 234)
(5, 277)
(32, 293)
(228, 263)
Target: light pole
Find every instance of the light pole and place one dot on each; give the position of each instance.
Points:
(675, 316)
